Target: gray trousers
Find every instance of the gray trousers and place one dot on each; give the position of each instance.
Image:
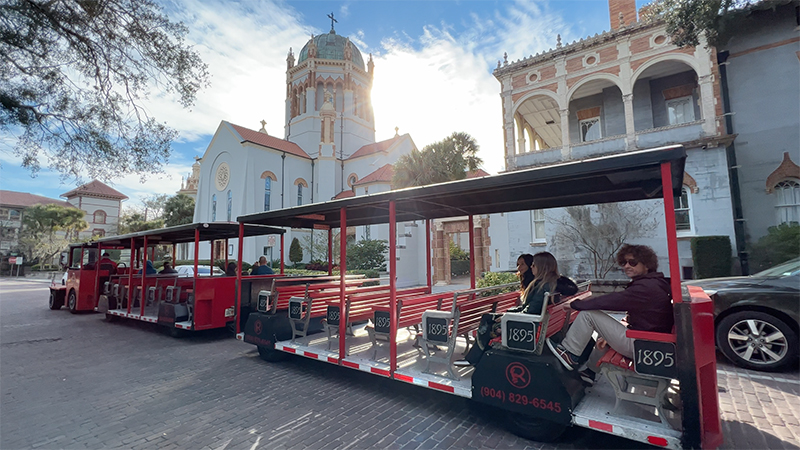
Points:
(609, 328)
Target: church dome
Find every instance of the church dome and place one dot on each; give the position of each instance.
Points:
(332, 46)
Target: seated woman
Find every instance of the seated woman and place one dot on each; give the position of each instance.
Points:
(538, 275)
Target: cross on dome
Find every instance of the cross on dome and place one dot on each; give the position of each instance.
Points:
(330, 16)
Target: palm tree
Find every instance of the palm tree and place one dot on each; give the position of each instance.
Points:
(446, 160)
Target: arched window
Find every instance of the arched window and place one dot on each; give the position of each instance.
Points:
(230, 205)
(214, 208)
(683, 211)
(99, 216)
(299, 194)
(788, 201)
(267, 189)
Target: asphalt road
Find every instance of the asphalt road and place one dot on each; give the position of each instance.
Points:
(77, 381)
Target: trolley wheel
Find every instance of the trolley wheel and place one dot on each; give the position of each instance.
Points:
(534, 428)
(111, 318)
(55, 302)
(72, 303)
(271, 355)
(175, 332)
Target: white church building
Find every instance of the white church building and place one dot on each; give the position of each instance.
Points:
(328, 149)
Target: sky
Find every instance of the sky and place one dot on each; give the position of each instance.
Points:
(433, 71)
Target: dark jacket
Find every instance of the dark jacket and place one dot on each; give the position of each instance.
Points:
(647, 300)
(535, 297)
(262, 270)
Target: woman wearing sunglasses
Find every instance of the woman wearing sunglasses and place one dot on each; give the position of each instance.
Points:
(646, 299)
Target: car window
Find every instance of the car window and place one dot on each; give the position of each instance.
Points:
(786, 269)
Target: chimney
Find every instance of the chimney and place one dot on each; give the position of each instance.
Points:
(622, 13)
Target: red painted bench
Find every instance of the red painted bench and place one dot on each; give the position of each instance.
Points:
(634, 387)
(359, 307)
(444, 327)
(409, 314)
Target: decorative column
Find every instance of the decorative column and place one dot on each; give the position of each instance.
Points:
(566, 150)
(630, 126)
(707, 106)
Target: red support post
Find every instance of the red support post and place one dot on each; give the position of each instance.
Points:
(471, 252)
(342, 285)
(392, 287)
(144, 279)
(428, 251)
(672, 233)
(282, 265)
(197, 252)
(238, 299)
(134, 250)
(330, 251)
(226, 253)
(97, 289)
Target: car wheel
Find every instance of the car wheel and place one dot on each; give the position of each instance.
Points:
(72, 303)
(756, 340)
(55, 302)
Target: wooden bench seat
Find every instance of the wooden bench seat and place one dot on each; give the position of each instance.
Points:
(359, 307)
(444, 328)
(409, 314)
(634, 387)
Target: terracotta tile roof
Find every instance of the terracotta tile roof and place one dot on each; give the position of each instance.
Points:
(266, 140)
(383, 174)
(369, 149)
(478, 173)
(345, 194)
(95, 188)
(24, 199)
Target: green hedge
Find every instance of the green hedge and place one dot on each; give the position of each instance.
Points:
(458, 267)
(495, 279)
(711, 256)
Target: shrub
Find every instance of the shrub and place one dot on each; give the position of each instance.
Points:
(295, 252)
(459, 267)
(781, 244)
(711, 256)
(367, 254)
(457, 254)
(496, 279)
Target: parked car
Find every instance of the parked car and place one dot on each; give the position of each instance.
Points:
(188, 271)
(757, 316)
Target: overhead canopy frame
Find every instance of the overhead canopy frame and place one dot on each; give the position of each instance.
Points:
(186, 233)
(616, 178)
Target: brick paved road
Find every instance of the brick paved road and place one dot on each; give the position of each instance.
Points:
(78, 382)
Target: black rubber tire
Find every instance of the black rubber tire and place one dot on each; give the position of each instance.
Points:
(534, 428)
(272, 355)
(111, 318)
(786, 347)
(72, 302)
(175, 332)
(55, 302)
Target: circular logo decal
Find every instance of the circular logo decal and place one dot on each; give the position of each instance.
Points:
(518, 375)
(223, 176)
(257, 327)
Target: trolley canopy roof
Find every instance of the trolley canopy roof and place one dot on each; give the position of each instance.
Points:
(616, 178)
(185, 233)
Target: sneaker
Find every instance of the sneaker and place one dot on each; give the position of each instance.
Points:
(587, 376)
(462, 363)
(567, 359)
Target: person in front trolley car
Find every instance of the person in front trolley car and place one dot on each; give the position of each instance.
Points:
(646, 299)
(538, 275)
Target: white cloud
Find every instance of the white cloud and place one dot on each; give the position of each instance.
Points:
(447, 85)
